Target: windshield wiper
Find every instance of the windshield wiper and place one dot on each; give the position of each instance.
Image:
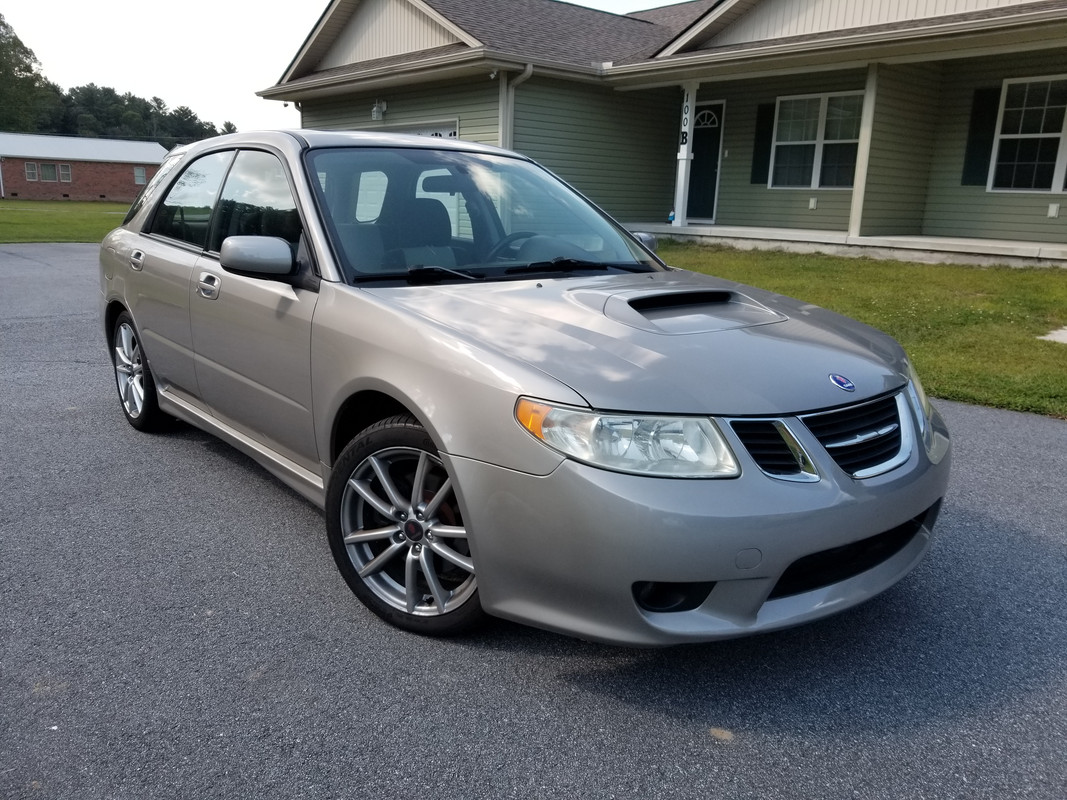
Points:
(562, 264)
(417, 274)
(431, 274)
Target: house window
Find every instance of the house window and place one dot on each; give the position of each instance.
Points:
(49, 173)
(31, 171)
(64, 173)
(139, 176)
(816, 140)
(1030, 150)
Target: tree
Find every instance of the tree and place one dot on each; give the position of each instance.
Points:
(29, 103)
(22, 87)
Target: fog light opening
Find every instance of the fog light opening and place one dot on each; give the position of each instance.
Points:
(663, 597)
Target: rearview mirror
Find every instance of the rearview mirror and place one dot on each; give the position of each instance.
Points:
(647, 239)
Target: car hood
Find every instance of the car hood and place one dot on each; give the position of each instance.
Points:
(668, 342)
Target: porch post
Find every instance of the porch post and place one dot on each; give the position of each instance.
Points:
(685, 153)
(863, 152)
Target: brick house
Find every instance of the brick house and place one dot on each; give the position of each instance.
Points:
(36, 167)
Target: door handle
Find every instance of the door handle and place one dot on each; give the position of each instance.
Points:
(137, 260)
(208, 285)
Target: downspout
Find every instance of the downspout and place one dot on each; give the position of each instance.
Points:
(507, 111)
(1, 178)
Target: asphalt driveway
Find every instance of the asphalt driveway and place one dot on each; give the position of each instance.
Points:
(172, 626)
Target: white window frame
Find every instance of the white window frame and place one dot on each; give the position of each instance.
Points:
(31, 171)
(64, 173)
(140, 176)
(819, 142)
(41, 174)
(1059, 173)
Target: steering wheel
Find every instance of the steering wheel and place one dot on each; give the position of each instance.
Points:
(498, 248)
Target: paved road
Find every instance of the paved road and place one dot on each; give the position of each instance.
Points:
(172, 626)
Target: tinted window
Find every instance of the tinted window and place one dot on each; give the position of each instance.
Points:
(185, 212)
(169, 163)
(256, 201)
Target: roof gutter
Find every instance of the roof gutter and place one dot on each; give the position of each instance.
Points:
(507, 105)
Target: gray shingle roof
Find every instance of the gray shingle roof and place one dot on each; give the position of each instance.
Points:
(676, 18)
(552, 30)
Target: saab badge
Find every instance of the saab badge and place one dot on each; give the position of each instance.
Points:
(841, 382)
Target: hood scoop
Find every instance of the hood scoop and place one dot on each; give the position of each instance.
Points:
(686, 311)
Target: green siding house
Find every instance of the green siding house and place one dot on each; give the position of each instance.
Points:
(932, 126)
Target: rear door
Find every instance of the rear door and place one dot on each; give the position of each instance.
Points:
(162, 263)
(252, 336)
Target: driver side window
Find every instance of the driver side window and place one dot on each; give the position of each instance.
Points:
(256, 201)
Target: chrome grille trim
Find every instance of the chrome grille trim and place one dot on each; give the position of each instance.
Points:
(865, 440)
(775, 449)
(862, 439)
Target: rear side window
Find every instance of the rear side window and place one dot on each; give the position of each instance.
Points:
(185, 212)
(168, 165)
(256, 201)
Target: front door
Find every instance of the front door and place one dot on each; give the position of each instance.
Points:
(704, 175)
(252, 336)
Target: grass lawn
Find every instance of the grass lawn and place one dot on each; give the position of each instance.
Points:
(57, 220)
(971, 331)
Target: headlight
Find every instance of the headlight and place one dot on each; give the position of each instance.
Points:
(677, 447)
(919, 401)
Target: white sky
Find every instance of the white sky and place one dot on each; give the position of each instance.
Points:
(209, 55)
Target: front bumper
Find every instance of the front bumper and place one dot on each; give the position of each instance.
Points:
(577, 550)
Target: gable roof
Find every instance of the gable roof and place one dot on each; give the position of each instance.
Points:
(739, 22)
(77, 148)
(545, 31)
(665, 44)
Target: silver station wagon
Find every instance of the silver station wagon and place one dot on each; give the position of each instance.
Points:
(506, 404)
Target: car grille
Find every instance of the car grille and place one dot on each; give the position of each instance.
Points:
(859, 438)
(765, 444)
(865, 439)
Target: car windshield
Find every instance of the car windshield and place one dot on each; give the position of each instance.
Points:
(422, 215)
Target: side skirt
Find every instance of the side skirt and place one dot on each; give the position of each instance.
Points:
(290, 473)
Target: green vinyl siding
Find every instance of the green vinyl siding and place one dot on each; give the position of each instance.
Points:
(742, 202)
(971, 211)
(902, 144)
(618, 148)
(475, 106)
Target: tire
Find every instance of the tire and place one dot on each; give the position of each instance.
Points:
(397, 533)
(133, 378)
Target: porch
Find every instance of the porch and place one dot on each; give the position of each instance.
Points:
(923, 249)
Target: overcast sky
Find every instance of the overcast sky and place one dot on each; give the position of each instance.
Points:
(209, 55)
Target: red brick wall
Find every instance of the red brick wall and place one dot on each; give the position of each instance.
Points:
(89, 180)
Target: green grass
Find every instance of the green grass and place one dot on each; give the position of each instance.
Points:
(57, 220)
(971, 331)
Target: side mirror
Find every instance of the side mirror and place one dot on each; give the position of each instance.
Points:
(265, 256)
(647, 239)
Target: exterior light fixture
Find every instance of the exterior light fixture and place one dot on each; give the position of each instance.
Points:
(378, 110)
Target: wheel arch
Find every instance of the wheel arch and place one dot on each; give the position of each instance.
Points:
(359, 412)
(111, 314)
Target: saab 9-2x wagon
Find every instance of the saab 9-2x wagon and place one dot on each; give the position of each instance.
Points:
(506, 404)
